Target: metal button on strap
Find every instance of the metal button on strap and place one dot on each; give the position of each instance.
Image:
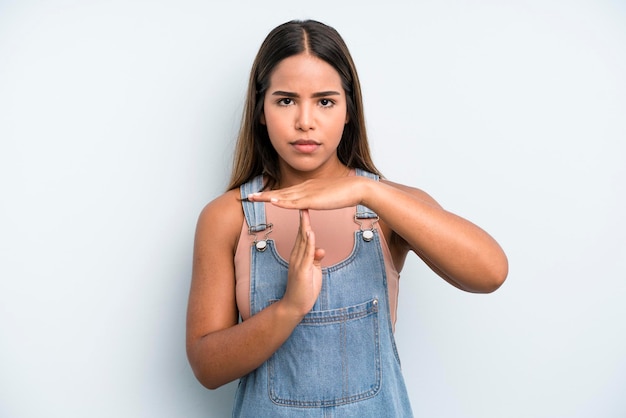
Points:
(368, 235)
(261, 245)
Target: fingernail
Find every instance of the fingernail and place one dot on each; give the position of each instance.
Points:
(273, 200)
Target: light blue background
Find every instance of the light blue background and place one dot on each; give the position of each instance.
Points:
(117, 123)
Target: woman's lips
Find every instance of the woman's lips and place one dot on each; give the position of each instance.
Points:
(305, 146)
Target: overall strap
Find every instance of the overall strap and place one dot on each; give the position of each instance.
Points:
(363, 212)
(253, 211)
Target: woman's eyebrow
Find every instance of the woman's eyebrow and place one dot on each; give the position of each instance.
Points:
(326, 93)
(314, 95)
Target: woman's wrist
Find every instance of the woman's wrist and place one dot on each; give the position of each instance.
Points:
(287, 314)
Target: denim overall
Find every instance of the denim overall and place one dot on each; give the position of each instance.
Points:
(341, 360)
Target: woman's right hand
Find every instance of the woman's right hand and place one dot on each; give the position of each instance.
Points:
(305, 271)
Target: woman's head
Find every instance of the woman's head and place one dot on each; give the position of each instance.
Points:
(254, 153)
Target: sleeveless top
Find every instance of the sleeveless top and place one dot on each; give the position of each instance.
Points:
(341, 360)
(334, 230)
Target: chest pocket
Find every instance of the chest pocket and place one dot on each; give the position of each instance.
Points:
(332, 358)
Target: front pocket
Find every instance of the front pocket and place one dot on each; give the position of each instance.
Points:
(331, 358)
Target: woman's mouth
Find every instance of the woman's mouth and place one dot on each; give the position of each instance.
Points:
(305, 146)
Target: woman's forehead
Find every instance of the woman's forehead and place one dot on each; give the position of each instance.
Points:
(304, 72)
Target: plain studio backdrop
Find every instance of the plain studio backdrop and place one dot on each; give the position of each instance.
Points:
(117, 125)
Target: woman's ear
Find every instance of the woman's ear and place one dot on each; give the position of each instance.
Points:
(262, 118)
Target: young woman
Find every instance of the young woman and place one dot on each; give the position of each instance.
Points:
(307, 244)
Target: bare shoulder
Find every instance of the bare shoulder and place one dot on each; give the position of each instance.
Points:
(222, 218)
(418, 193)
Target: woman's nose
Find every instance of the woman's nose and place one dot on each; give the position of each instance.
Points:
(305, 118)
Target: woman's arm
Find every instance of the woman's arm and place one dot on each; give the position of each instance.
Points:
(456, 249)
(219, 348)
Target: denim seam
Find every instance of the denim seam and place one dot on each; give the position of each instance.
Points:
(370, 309)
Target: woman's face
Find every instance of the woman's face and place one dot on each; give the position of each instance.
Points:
(305, 113)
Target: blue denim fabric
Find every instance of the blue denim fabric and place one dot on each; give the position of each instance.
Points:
(341, 360)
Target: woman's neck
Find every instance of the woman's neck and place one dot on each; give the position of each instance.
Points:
(290, 177)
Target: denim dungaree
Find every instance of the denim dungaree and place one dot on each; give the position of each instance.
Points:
(341, 360)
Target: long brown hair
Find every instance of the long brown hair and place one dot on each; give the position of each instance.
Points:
(254, 153)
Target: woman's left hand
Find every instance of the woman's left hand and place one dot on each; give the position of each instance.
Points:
(318, 194)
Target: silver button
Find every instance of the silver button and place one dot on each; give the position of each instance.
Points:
(261, 245)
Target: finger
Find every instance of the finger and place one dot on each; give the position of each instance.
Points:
(308, 260)
(305, 220)
(281, 202)
(308, 238)
(298, 253)
(318, 255)
(262, 197)
(304, 253)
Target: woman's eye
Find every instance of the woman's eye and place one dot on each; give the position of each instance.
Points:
(285, 102)
(326, 103)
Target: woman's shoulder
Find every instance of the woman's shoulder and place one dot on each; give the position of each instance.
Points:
(222, 217)
(419, 193)
(226, 201)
